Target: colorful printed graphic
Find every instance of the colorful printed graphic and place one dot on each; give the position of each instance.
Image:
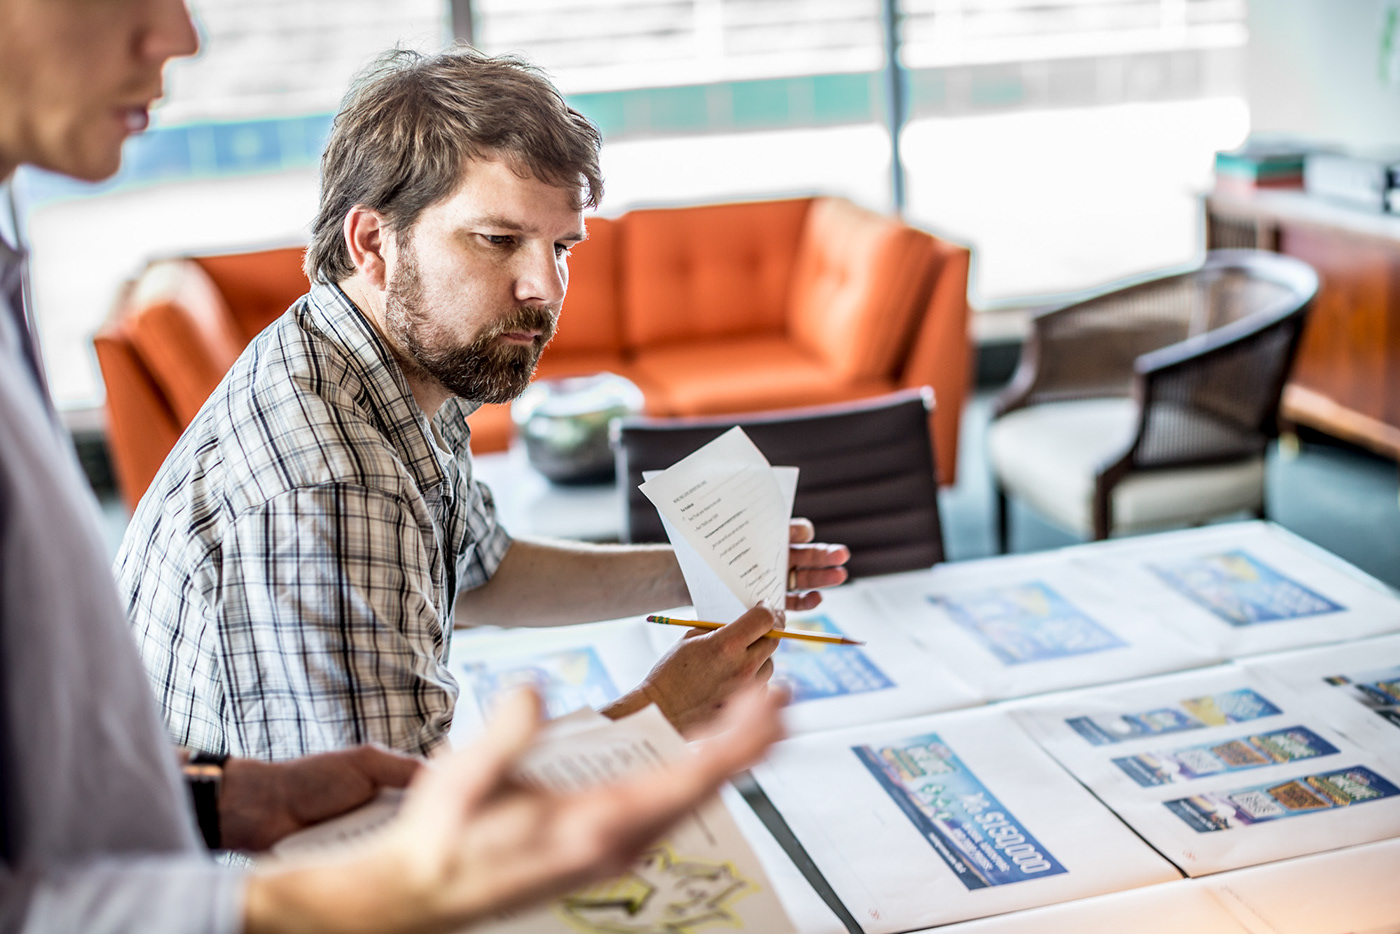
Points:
(1379, 690)
(814, 670)
(1235, 755)
(1194, 713)
(1324, 792)
(965, 824)
(1028, 623)
(568, 679)
(660, 894)
(1242, 590)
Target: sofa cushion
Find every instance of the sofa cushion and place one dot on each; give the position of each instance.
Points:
(258, 286)
(182, 330)
(862, 281)
(706, 272)
(739, 375)
(592, 317)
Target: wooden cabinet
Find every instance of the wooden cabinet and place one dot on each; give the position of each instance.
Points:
(1346, 380)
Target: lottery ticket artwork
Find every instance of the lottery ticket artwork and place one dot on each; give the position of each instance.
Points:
(1193, 713)
(1260, 803)
(815, 670)
(567, 679)
(1186, 763)
(965, 824)
(1377, 690)
(1242, 590)
(1027, 623)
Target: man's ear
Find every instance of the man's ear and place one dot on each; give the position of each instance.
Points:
(366, 235)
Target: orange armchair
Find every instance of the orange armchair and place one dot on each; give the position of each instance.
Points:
(710, 310)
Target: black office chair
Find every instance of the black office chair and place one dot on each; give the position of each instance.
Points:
(867, 473)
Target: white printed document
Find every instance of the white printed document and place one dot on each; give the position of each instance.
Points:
(727, 506)
(702, 875)
(946, 818)
(1243, 588)
(1027, 624)
(1219, 770)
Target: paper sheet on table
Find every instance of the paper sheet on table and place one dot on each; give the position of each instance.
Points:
(1022, 625)
(727, 504)
(1346, 890)
(1244, 588)
(702, 874)
(833, 686)
(946, 818)
(1366, 673)
(586, 665)
(1219, 770)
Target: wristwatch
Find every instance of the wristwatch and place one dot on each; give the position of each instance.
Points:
(204, 775)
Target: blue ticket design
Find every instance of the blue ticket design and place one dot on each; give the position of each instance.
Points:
(814, 670)
(568, 679)
(1193, 713)
(1028, 623)
(1378, 690)
(1242, 590)
(1326, 791)
(965, 824)
(1233, 755)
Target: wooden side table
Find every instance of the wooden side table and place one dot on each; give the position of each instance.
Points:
(1346, 380)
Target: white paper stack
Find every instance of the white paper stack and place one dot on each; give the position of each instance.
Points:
(946, 818)
(1219, 770)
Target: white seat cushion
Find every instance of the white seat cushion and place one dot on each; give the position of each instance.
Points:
(1048, 455)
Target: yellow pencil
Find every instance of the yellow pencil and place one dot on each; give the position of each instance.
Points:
(772, 634)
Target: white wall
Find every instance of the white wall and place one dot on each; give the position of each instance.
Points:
(1314, 68)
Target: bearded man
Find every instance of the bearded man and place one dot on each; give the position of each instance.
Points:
(291, 573)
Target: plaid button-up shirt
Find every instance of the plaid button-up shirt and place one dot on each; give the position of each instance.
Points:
(291, 571)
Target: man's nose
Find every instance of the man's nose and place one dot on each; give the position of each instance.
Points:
(170, 33)
(544, 279)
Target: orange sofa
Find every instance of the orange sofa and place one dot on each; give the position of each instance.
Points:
(710, 309)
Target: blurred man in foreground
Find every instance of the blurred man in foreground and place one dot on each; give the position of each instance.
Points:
(96, 831)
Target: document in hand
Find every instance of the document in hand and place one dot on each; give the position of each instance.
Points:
(1220, 770)
(1243, 588)
(949, 817)
(726, 511)
(1015, 626)
(572, 667)
(703, 874)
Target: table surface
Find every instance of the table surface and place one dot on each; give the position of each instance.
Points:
(528, 504)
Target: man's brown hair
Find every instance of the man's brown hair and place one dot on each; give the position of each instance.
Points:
(410, 123)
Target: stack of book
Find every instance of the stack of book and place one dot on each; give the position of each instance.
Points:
(1259, 164)
(1369, 182)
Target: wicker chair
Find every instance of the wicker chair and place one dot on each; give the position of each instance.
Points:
(1152, 403)
(867, 480)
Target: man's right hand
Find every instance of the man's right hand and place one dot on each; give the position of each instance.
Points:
(704, 670)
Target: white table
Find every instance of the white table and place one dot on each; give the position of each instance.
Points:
(529, 504)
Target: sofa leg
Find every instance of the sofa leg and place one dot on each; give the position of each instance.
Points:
(1003, 534)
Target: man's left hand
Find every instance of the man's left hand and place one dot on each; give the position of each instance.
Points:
(811, 565)
(262, 802)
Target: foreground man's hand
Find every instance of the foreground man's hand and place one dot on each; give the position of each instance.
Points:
(471, 842)
(811, 565)
(704, 670)
(262, 802)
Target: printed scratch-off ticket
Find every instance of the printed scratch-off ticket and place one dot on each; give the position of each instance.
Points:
(814, 670)
(1028, 623)
(1290, 744)
(1242, 590)
(1194, 713)
(1309, 795)
(964, 822)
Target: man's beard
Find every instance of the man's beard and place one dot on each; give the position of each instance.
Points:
(483, 371)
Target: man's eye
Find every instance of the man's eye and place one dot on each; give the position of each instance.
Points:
(499, 239)
(562, 249)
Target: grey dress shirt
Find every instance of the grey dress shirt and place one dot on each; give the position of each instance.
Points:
(96, 827)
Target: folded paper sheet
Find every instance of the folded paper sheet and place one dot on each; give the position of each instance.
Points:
(702, 875)
(946, 818)
(1219, 770)
(728, 506)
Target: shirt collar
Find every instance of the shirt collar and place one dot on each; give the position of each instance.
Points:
(404, 422)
